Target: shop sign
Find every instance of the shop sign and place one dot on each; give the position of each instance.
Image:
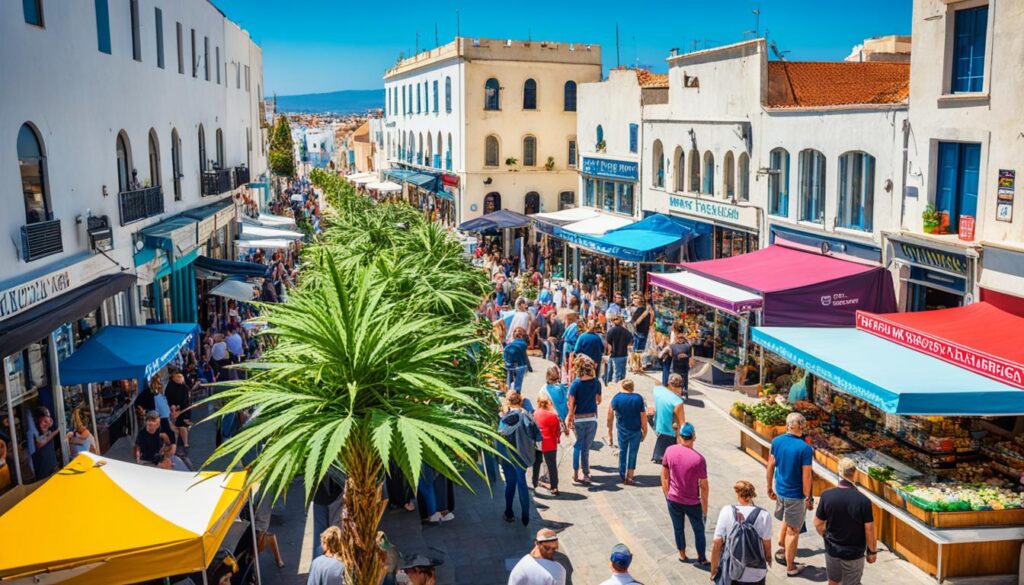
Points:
(930, 257)
(980, 363)
(25, 295)
(966, 228)
(712, 209)
(611, 169)
(1004, 194)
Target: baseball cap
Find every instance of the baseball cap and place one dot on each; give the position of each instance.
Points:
(151, 414)
(687, 431)
(621, 555)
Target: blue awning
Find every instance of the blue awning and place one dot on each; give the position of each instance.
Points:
(208, 210)
(127, 353)
(425, 181)
(503, 218)
(177, 235)
(642, 241)
(231, 268)
(398, 175)
(896, 379)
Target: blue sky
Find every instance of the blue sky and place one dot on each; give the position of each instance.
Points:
(312, 46)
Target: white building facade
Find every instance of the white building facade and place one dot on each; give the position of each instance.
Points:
(130, 125)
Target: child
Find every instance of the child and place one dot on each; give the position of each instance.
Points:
(557, 392)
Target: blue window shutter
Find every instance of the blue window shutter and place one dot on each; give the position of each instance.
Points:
(969, 36)
(102, 26)
(633, 135)
(970, 155)
(978, 48)
(946, 178)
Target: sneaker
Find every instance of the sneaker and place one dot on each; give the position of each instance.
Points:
(448, 517)
(434, 518)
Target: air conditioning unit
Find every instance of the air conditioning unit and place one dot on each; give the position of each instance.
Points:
(101, 237)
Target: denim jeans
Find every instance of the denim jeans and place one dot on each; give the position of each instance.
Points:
(515, 480)
(516, 375)
(425, 489)
(639, 342)
(677, 512)
(629, 444)
(618, 368)
(666, 369)
(586, 430)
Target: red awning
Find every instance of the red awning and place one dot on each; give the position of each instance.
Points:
(979, 337)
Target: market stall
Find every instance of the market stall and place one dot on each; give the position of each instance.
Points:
(126, 523)
(720, 299)
(939, 446)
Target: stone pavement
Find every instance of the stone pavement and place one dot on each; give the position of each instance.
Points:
(481, 548)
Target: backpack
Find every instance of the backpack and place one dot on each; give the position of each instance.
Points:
(744, 548)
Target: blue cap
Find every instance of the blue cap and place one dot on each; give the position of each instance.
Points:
(621, 555)
(687, 431)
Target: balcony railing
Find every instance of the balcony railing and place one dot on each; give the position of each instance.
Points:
(241, 176)
(141, 203)
(217, 182)
(41, 239)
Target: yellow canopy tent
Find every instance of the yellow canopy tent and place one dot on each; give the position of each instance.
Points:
(100, 520)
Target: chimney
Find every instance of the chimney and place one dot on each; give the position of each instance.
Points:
(673, 52)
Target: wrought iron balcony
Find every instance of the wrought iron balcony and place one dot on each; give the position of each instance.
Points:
(41, 239)
(241, 176)
(141, 203)
(217, 182)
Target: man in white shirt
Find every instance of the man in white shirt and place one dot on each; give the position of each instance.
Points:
(521, 318)
(234, 343)
(539, 567)
(620, 560)
(728, 518)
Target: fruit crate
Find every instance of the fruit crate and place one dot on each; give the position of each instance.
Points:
(827, 460)
(965, 519)
(767, 431)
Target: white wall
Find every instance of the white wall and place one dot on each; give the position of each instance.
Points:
(80, 98)
(427, 122)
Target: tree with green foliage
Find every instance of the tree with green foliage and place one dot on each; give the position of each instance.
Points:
(378, 355)
(281, 155)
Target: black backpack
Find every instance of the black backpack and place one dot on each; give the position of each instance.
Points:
(744, 548)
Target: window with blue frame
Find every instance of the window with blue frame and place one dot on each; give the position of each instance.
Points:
(571, 155)
(778, 182)
(608, 195)
(625, 203)
(33, 10)
(658, 164)
(634, 134)
(956, 181)
(812, 185)
(448, 94)
(970, 27)
(103, 26)
(588, 193)
(709, 174)
(569, 97)
(437, 98)
(492, 94)
(856, 191)
(419, 97)
(530, 95)
(599, 145)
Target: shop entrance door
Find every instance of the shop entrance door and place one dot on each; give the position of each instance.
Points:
(926, 298)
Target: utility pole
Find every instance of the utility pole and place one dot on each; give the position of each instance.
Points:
(437, 43)
(757, 21)
(618, 61)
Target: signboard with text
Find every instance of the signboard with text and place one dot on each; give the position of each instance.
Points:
(611, 169)
(1004, 194)
(715, 210)
(966, 228)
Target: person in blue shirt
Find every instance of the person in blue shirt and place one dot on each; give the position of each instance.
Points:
(517, 363)
(669, 415)
(584, 397)
(630, 412)
(557, 392)
(789, 484)
(569, 337)
(589, 344)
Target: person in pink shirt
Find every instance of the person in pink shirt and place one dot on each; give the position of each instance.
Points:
(684, 481)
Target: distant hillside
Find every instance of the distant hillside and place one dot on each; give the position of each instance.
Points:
(352, 101)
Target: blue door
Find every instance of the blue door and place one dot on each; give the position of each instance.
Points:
(957, 178)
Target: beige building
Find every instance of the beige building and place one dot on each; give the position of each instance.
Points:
(362, 148)
(493, 120)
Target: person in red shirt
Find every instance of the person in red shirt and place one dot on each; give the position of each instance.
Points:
(550, 428)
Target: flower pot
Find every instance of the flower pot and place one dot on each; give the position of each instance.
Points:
(930, 227)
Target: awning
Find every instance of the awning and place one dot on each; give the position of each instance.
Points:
(597, 225)
(384, 187)
(642, 241)
(250, 232)
(549, 222)
(896, 379)
(363, 180)
(266, 243)
(503, 218)
(235, 289)
(425, 181)
(230, 268)
(134, 523)
(398, 175)
(963, 336)
(711, 292)
(36, 323)
(803, 288)
(177, 236)
(270, 219)
(356, 176)
(126, 353)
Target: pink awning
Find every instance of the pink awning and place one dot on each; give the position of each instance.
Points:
(777, 268)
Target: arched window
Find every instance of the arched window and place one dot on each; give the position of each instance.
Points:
(729, 175)
(436, 162)
(176, 163)
(491, 152)
(492, 202)
(743, 177)
(220, 149)
(856, 191)
(599, 144)
(778, 182)
(570, 96)
(658, 164)
(448, 154)
(32, 164)
(531, 204)
(680, 169)
(202, 149)
(154, 159)
(419, 151)
(492, 95)
(694, 171)
(529, 151)
(811, 169)
(709, 173)
(448, 94)
(124, 162)
(530, 95)
(430, 150)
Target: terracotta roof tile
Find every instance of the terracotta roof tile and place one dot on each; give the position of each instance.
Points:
(648, 79)
(818, 84)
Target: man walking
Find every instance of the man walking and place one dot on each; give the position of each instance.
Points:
(684, 481)
(539, 567)
(642, 317)
(620, 560)
(618, 341)
(629, 410)
(845, 520)
(789, 484)
(669, 415)
(589, 343)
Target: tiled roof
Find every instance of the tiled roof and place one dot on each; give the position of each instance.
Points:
(817, 84)
(648, 79)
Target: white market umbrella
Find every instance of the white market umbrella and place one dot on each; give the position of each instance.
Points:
(250, 231)
(385, 187)
(271, 219)
(267, 243)
(235, 289)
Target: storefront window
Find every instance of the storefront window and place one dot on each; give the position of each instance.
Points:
(26, 385)
(588, 197)
(608, 195)
(714, 335)
(166, 313)
(730, 243)
(625, 204)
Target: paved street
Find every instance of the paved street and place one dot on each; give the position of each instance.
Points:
(481, 548)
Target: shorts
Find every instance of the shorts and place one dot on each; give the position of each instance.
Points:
(844, 571)
(792, 511)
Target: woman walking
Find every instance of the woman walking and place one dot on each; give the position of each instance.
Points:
(551, 428)
(584, 397)
(521, 432)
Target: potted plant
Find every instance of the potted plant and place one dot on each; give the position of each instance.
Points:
(943, 222)
(930, 217)
(550, 164)
(601, 146)
(511, 162)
